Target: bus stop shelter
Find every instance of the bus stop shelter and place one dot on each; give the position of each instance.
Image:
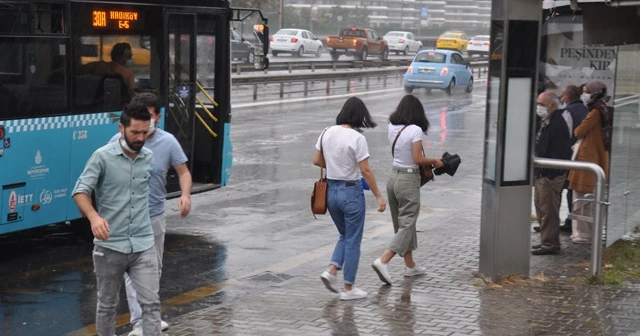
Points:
(547, 45)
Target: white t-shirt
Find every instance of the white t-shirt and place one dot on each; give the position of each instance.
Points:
(344, 148)
(403, 156)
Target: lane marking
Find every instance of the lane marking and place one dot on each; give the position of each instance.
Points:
(307, 99)
(178, 300)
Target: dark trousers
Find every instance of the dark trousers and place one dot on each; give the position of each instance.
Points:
(546, 197)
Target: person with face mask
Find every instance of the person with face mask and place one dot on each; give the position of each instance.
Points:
(552, 142)
(118, 175)
(595, 141)
(167, 153)
(121, 64)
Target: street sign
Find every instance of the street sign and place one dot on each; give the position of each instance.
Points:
(424, 11)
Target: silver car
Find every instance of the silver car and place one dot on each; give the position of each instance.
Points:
(402, 42)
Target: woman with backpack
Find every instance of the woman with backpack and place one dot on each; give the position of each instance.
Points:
(594, 136)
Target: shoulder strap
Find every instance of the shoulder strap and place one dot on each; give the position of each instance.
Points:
(393, 147)
(322, 165)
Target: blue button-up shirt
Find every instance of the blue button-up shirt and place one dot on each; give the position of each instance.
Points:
(121, 188)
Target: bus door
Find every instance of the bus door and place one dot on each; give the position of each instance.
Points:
(181, 72)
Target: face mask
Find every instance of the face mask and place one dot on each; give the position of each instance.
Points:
(586, 98)
(541, 111)
(152, 127)
(124, 145)
(129, 63)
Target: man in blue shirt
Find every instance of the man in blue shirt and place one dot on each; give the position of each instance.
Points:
(167, 153)
(118, 176)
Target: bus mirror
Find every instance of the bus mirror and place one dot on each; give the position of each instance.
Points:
(261, 60)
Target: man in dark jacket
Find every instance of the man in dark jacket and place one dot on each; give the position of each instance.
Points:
(552, 142)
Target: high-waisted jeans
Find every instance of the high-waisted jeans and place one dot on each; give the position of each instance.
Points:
(346, 205)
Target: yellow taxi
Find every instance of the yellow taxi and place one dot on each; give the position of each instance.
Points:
(453, 40)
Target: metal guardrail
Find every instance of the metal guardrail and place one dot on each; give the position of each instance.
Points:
(328, 64)
(599, 199)
(478, 67)
(322, 64)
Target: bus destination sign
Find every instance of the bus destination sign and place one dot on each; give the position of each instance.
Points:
(114, 19)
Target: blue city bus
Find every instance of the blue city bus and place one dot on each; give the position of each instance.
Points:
(56, 108)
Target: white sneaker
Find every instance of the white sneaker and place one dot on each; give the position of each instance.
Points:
(330, 281)
(353, 294)
(382, 270)
(416, 270)
(137, 330)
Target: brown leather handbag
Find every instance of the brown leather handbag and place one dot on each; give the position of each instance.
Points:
(319, 194)
(426, 172)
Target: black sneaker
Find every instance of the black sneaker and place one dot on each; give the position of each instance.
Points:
(544, 251)
(536, 228)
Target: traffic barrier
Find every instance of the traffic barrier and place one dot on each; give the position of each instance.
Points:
(479, 68)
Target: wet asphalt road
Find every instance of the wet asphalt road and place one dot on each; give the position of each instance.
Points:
(260, 220)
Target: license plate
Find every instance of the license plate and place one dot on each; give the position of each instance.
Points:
(282, 40)
(427, 70)
(477, 44)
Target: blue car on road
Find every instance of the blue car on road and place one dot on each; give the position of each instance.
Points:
(438, 69)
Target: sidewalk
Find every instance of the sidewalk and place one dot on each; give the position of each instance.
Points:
(449, 300)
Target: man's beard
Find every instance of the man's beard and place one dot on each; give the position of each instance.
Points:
(134, 146)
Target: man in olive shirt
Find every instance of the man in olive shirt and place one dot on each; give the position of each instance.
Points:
(118, 176)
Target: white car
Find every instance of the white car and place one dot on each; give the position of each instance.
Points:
(295, 41)
(402, 42)
(479, 45)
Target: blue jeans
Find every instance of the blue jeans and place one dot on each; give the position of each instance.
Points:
(347, 207)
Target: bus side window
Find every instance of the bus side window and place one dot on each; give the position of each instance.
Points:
(109, 69)
(33, 77)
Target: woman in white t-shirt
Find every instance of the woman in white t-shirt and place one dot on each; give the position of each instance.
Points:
(403, 187)
(346, 155)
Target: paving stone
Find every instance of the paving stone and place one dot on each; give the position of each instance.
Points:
(443, 302)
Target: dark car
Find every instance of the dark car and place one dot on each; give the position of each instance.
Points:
(241, 49)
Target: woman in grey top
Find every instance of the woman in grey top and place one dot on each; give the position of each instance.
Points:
(346, 154)
(407, 126)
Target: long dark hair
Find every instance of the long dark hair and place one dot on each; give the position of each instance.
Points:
(355, 114)
(410, 112)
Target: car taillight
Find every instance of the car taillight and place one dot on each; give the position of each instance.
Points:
(486, 43)
(410, 70)
(355, 42)
(444, 71)
(401, 40)
(437, 41)
(271, 39)
(469, 42)
(328, 39)
(294, 40)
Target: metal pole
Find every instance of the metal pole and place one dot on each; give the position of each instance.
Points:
(596, 243)
(281, 14)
